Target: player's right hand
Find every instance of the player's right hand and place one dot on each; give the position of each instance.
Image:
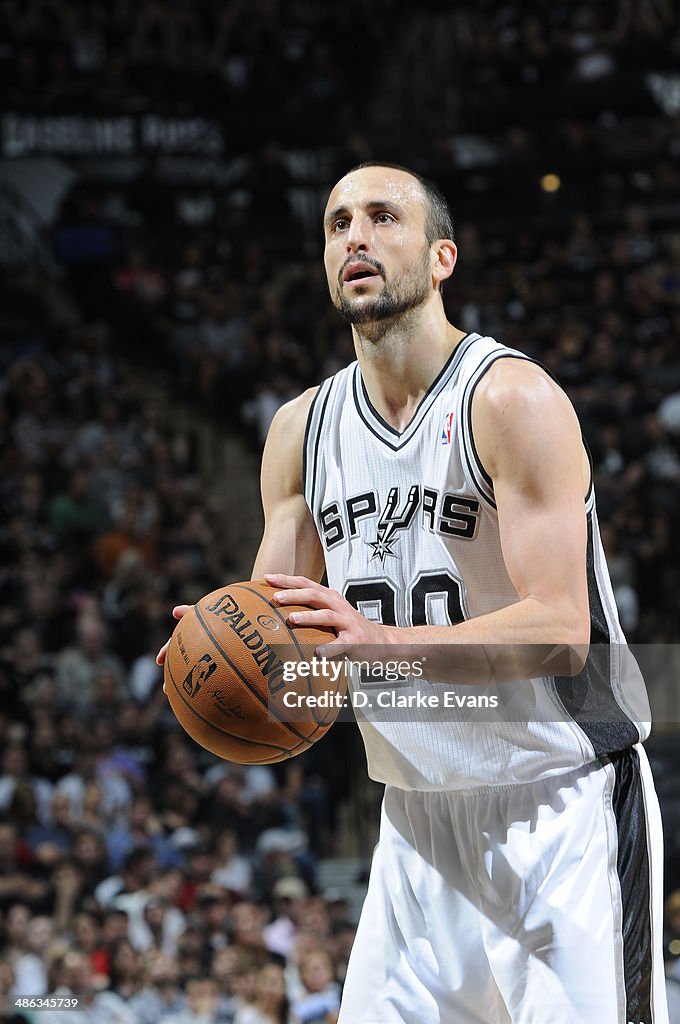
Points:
(178, 611)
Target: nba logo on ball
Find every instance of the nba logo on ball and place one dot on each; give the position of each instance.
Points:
(448, 426)
(198, 675)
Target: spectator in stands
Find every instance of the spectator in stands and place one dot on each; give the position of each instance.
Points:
(76, 514)
(156, 924)
(77, 667)
(281, 854)
(48, 843)
(133, 530)
(15, 775)
(45, 760)
(320, 1002)
(15, 937)
(234, 871)
(114, 791)
(160, 996)
(124, 969)
(89, 853)
(142, 829)
(200, 864)
(30, 974)
(17, 881)
(288, 895)
(128, 891)
(270, 1005)
(77, 979)
(340, 946)
(115, 925)
(202, 1001)
(192, 952)
(140, 281)
(247, 931)
(68, 888)
(87, 938)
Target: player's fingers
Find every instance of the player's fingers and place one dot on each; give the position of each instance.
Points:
(320, 617)
(163, 653)
(179, 611)
(278, 579)
(313, 598)
(335, 650)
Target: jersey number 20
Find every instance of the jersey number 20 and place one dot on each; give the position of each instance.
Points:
(431, 596)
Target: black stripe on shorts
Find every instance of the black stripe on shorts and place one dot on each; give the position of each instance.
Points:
(632, 864)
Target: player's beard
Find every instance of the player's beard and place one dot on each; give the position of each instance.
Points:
(396, 300)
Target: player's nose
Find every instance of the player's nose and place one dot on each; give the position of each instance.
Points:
(358, 235)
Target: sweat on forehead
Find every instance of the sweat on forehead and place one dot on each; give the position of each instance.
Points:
(386, 183)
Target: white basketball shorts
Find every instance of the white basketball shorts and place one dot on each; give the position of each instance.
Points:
(527, 904)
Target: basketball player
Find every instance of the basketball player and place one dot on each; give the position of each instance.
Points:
(442, 483)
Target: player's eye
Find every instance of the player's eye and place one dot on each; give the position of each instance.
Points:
(339, 225)
(384, 218)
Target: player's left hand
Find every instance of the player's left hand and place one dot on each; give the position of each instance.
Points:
(327, 608)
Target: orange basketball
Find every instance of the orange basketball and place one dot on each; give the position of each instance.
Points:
(239, 678)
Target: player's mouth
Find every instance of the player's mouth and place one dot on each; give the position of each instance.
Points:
(358, 273)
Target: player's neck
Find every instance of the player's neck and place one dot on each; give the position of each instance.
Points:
(399, 368)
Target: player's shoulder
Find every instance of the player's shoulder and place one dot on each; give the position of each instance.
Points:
(517, 383)
(282, 459)
(297, 409)
(296, 414)
(519, 412)
(293, 415)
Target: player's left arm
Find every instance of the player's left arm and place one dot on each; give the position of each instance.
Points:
(529, 441)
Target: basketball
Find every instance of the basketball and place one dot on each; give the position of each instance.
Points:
(239, 681)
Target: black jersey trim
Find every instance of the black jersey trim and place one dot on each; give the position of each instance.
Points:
(421, 405)
(480, 477)
(367, 423)
(633, 869)
(481, 490)
(305, 443)
(589, 698)
(467, 398)
(369, 413)
(467, 411)
(591, 484)
(374, 412)
(318, 427)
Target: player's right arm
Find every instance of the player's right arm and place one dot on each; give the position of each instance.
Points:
(290, 543)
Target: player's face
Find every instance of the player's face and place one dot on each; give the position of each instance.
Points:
(378, 261)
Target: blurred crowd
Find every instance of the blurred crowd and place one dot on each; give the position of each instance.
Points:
(137, 871)
(234, 56)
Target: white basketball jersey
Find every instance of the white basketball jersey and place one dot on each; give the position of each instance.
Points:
(409, 528)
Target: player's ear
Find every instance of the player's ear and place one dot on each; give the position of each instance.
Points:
(446, 254)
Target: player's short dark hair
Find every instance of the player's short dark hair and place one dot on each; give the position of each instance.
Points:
(438, 222)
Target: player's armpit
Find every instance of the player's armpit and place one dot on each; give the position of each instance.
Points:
(290, 543)
(529, 440)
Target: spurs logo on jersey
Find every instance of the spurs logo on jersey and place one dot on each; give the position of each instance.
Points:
(409, 527)
(450, 515)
